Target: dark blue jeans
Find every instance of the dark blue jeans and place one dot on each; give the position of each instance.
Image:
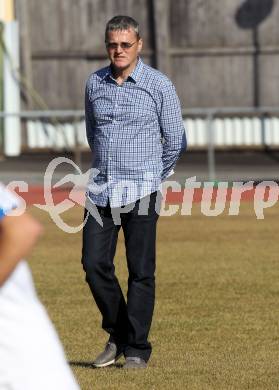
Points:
(128, 323)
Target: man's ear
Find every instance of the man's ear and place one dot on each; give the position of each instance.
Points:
(140, 44)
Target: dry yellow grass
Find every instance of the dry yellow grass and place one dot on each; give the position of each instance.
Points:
(216, 318)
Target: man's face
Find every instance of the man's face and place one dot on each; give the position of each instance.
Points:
(123, 48)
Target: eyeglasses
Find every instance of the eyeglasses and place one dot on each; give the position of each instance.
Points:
(123, 45)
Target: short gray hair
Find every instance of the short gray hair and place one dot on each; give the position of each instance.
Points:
(122, 22)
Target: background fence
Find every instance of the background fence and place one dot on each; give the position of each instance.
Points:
(206, 130)
(219, 53)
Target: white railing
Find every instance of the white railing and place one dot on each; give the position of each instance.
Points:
(206, 128)
(233, 132)
(233, 127)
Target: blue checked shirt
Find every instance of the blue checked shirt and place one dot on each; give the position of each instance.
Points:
(135, 131)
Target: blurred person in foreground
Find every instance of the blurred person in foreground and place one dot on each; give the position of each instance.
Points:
(135, 131)
(31, 356)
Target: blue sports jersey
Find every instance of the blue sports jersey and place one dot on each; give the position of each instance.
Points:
(8, 201)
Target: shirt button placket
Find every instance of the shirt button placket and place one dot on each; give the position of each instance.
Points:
(114, 120)
(110, 159)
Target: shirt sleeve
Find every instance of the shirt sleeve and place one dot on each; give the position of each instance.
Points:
(172, 128)
(89, 118)
(8, 201)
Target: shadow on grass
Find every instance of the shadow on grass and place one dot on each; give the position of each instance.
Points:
(90, 365)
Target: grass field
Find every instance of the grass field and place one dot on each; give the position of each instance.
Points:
(216, 319)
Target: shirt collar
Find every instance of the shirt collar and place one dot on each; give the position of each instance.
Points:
(135, 75)
(107, 73)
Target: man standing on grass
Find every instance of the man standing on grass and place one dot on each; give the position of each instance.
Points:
(135, 131)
